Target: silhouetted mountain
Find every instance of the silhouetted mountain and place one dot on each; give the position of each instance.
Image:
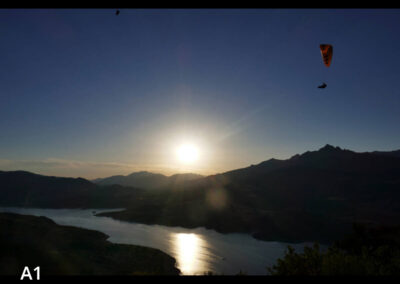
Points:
(313, 196)
(388, 153)
(21, 188)
(139, 179)
(146, 180)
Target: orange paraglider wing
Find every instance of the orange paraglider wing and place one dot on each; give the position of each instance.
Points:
(326, 52)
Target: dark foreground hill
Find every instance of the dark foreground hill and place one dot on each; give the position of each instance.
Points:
(314, 196)
(63, 250)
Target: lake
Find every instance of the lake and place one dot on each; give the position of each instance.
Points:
(195, 250)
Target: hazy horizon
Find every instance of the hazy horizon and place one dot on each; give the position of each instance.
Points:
(87, 93)
(57, 166)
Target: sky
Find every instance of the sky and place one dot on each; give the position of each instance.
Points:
(86, 93)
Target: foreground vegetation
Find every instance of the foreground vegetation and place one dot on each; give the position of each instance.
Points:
(63, 250)
(368, 251)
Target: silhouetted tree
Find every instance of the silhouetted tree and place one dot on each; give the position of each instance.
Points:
(365, 252)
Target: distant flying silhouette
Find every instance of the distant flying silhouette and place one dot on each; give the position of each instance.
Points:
(117, 13)
(323, 86)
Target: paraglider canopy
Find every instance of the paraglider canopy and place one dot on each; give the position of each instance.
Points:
(326, 52)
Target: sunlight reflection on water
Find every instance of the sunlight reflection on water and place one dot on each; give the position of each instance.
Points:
(188, 248)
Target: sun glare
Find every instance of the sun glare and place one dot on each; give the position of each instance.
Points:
(187, 153)
(191, 253)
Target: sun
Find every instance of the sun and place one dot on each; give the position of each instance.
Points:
(187, 153)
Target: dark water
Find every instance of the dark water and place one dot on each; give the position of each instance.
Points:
(196, 250)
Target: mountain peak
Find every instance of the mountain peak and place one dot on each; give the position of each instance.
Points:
(326, 151)
(330, 148)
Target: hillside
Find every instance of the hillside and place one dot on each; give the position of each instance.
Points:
(313, 196)
(63, 250)
(20, 188)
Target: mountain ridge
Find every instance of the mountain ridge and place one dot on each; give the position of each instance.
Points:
(316, 195)
(146, 180)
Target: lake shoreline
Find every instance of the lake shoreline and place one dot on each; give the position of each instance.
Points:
(69, 250)
(196, 251)
(255, 235)
(115, 213)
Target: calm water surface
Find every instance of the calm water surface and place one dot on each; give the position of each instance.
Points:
(195, 250)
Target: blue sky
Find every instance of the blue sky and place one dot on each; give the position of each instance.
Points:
(88, 93)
